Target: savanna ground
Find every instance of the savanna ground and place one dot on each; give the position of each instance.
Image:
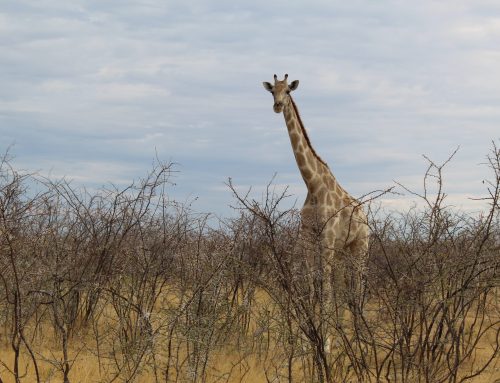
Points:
(126, 285)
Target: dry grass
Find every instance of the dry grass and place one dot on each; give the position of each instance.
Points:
(228, 364)
(86, 369)
(129, 286)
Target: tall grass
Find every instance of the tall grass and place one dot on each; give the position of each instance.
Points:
(126, 285)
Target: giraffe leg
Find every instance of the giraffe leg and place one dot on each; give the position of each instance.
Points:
(357, 270)
(309, 266)
(333, 299)
(338, 290)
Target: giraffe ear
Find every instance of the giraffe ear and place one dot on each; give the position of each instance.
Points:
(294, 85)
(268, 86)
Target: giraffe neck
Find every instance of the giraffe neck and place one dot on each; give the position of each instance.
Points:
(310, 164)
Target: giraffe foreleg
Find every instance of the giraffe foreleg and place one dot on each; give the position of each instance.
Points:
(358, 251)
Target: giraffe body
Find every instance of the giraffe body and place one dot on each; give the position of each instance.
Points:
(328, 211)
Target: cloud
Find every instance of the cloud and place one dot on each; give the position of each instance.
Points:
(117, 83)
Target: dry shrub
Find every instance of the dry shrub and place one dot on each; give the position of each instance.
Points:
(153, 292)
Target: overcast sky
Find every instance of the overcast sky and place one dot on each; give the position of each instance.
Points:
(95, 90)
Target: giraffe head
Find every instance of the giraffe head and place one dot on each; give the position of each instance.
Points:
(280, 91)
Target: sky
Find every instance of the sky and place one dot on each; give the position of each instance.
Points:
(94, 91)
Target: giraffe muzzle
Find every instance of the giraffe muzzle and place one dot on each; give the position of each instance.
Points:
(278, 107)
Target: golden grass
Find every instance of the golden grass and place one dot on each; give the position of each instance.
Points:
(231, 363)
(86, 369)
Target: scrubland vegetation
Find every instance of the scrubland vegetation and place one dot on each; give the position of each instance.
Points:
(126, 285)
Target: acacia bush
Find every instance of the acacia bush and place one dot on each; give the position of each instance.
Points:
(153, 292)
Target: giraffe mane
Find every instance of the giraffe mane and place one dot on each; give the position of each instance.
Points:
(304, 131)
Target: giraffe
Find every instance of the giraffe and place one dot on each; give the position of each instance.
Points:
(329, 211)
